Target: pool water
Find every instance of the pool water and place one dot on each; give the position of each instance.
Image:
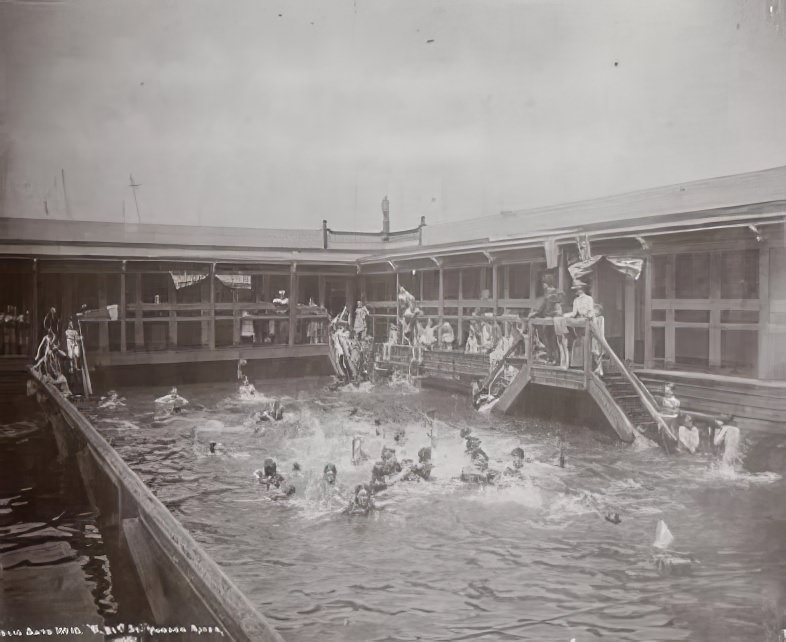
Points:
(445, 560)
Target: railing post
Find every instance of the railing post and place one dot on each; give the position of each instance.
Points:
(293, 298)
(122, 309)
(587, 350)
(211, 337)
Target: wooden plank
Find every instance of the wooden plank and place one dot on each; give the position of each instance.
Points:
(34, 320)
(208, 585)
(495, 287)
(705, 304)
(460, 330)
(321, 284)
(148, 568)
(441, 309)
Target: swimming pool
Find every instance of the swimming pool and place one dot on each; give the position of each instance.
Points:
(444, 560)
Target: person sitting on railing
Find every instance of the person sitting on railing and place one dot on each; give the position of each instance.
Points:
(446, 336)
(688, 435)
(405, 299)
(408, 323)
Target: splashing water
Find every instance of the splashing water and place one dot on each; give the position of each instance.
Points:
(442, 552)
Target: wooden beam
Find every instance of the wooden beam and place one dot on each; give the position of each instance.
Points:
(495, 287)
(533, 281)
(322, 285)
(122, 311)
(648, 312)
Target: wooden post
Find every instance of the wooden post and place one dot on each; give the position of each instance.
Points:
(460, 329)
(398, 310)
(587, 350)
(441, 309)
(212, 323)
(172, 297)
(121, 312)
(533, 281)
(266, 283)
(630, 317)
(34, 320)
(235, 319)
(648, 312)
(103, 326)
(715, 313)
(293, 297)
(204, 291)
(669, 350)
(495, 288)
(764, 367)
(322, 286)
(139, 330)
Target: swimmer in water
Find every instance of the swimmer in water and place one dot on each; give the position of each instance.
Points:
(274, 413)
(362, 502)
(389, 461)
(478, 471)
(247, 388)
(174, 400)
(729, 438)
(274, 482)
(422, 470)
(216, 448)
(514, 470)
(401, 436)
(112, 400)
(329, 485)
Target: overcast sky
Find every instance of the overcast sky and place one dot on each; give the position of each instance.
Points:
(284, 112)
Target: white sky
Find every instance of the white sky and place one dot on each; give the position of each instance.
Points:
(228, 114)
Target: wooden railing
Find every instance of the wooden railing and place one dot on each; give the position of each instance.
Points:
(617, 365)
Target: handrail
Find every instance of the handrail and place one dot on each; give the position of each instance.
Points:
(639, 387)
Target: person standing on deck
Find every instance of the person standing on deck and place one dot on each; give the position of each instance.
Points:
(546, 310)
(446, 336)
(583, 308)
(359, 324)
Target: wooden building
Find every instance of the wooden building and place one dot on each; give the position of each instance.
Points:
(707, 311)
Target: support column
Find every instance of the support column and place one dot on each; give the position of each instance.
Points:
(460, 329)
(441, 309)
(715, 313)
(34, 320)
(121, 311)
(764, 370)
(293, 297)
(212, 323)
(235, 319)
(533, 281)
(139, 331)
(322, 286)
(398, 310)
(495, 288)
(669, 350)
(630, 317)
(103, 326)
(204, 292)
(172, 297)
(648, 312)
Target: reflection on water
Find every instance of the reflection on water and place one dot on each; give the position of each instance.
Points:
(54, 553)
(531, 559)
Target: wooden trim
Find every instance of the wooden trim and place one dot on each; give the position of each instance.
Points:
(495, 288)
(460, 329)
(706, 304)
(765, 360)
(441, 308)
(322, 287)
